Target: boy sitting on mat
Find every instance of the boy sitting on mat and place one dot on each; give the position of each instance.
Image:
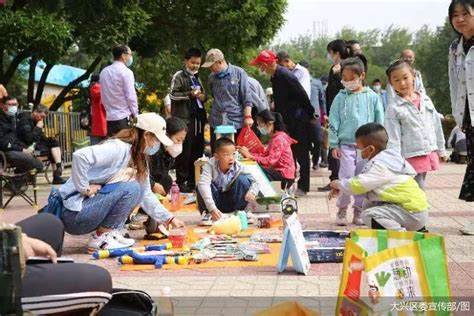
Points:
(225, 186)
(394, 201)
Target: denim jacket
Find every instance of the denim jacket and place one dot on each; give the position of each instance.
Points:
(97, 165)
(461, 80)
(414, 132)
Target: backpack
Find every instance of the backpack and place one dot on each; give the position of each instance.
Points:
(130, 303)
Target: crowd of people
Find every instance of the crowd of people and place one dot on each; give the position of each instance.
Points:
(379, 144)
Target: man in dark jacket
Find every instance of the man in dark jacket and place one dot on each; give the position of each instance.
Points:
(292, 102)
(30, 132)
(187, 103)
(17, 152)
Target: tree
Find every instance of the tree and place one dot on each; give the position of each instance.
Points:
(392, 41)
(432, 61)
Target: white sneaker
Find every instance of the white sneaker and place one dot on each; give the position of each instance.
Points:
(106, 241)
(341, 217)
(137, 221)
(206, 219)
(357, 219)
(119, 235)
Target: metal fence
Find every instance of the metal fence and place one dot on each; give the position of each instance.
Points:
(66, 129)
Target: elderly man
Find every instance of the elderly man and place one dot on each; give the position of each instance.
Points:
(232, 96)
(118, 90)
(30, 130)
(292, 102)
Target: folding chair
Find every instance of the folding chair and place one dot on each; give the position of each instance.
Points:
(15, 181)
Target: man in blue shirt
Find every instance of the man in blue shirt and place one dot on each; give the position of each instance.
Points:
(231, 92)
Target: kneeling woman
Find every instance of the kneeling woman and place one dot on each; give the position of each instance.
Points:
(277, 160)
(108, 180)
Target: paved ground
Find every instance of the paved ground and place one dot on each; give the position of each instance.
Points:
(240, 291)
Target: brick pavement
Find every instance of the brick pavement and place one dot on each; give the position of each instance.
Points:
(241, 291)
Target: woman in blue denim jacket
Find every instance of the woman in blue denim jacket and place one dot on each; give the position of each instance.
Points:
(461, 86)
(413, 124)
(108, 180)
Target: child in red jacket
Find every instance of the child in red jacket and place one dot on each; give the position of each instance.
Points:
(277, 160)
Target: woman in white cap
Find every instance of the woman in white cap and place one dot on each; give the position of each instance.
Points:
(108, 180)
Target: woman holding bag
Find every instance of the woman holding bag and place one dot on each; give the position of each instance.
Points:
(277, 160)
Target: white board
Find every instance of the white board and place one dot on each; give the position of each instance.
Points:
(264, 185)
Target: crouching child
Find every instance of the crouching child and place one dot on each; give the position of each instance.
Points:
(225, 186)
(394, 200)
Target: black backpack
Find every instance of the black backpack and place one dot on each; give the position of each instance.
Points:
(130, 303)
(85, 118)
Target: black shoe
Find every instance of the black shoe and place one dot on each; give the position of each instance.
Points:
(59, 180)
(183, 188)
(323, 165)
(325, 188)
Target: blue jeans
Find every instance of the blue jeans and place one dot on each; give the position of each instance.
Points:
(108, 210)
(231, 200)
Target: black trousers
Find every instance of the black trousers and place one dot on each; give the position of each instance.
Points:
(316, 142)
(23, 162)
(113, 127)
(274, 175)
(43, 284)
(193, 149)
(301, 152)
(333, 166)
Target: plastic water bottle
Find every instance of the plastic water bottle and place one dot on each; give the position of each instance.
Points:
(165, 304)
(175, 201)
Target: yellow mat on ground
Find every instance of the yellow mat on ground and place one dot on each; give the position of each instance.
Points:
(182, 208)
(264, 260)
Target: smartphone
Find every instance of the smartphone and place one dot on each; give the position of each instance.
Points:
(38, 260)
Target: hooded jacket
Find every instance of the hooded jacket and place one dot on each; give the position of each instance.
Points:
(278, 155)
(388, 178)
(350, 111)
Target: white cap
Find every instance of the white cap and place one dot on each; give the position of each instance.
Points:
(152, 122)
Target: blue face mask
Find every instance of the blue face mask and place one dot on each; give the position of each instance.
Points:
(12, 110)
(263, 130)
(221, 74)
(150, 151)
(130, 61)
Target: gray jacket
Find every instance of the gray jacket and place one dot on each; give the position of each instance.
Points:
(318, 97)
(259, 98)
(414, 132)
(461, 80)
(209, 175)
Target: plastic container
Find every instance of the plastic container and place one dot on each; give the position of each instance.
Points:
(177, 237)
(243, 220)
(175, 197)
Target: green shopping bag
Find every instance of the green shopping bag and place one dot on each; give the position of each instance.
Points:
(394, 273)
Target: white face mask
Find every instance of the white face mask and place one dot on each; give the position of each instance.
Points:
(352, 85)
(175, 150)
(329, 58)
(12, 110)
(192, 72)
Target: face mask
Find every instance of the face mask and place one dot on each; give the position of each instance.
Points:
(221, 74)
(150, 151)
(192, 72)
(12, 110)
(263, 130)
(376, 88)
(130, 61)
(351, 85)
(325, 86)
(175, 150)
(360, 151)
(329, 58)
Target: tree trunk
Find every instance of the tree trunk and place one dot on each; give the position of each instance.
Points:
(17, 60)
(42, 82)
(31, 80)
(60, 99)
